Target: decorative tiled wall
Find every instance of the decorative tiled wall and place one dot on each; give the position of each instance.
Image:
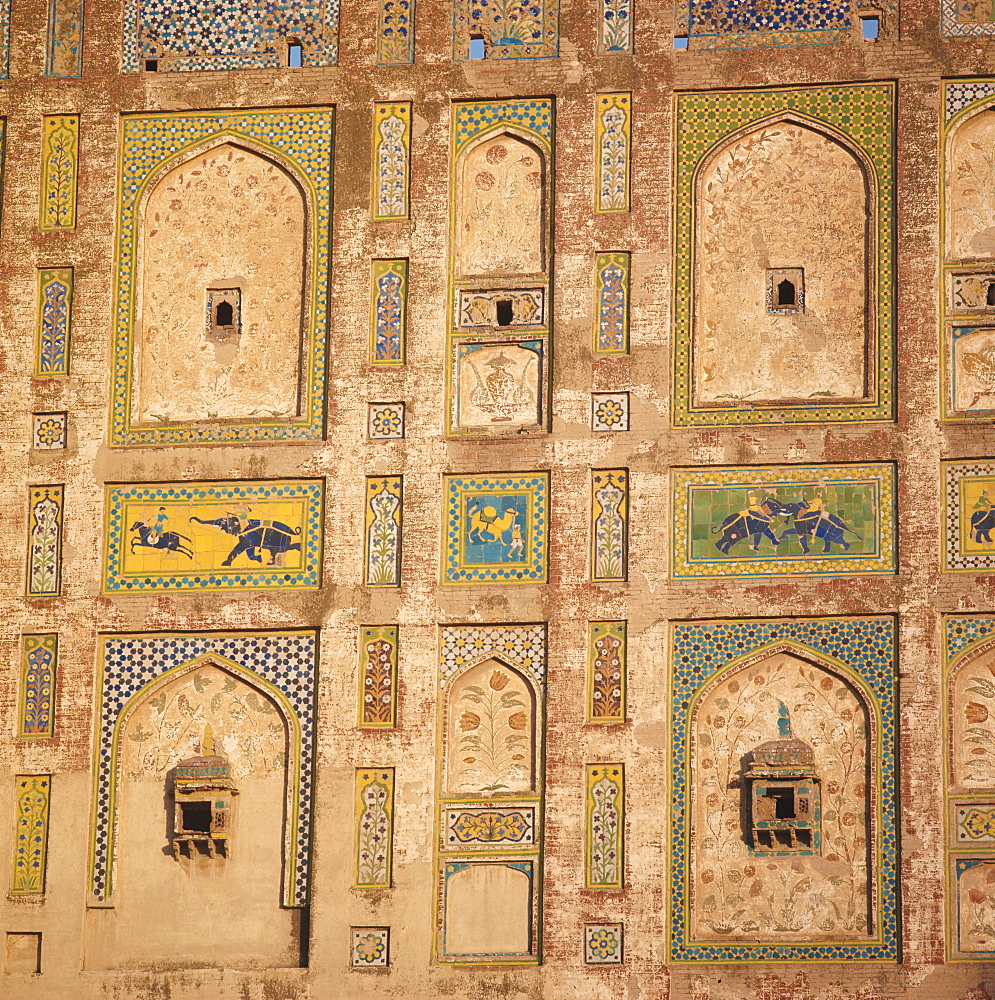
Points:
(31, 805)
(378, 676)
(59, 167)
(370, 947)
(49, 431)
(611, 302)
(384, 516)
(385, 421)
(604, 864)
(388, 321)
(64, 56)
(510, 30)
(613, 139)
(606, 672)
(391, 160)
(45, 505)
(55, 302)
(4, 41)
(36, 705)
(374, 827)
(968, 516)
(609, 525)
(615, 30)
(603, 944)
(396, 39)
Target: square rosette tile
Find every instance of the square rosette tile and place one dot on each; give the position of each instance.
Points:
(370, 947)
(603, 944)
(609, 411)
(49, 431)
(385, 421)
(497, 528)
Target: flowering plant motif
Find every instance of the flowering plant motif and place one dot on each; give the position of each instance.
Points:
(613, 177)
(615, 36)
(976, 910)
(36, 716)
(384, 532)
(490, 826)
(512, 24)
(974, 727)
(373, 835)
(613, 302)
(46, 541)
(606, 690)
(59, 173)
(31, 837)
(397, 40)
(369, 948)
(65, 35)
(609, 526)
(378, 684)
(392, 169)
(390, 289)
(603, 943)
(604, 852)
(53, 338)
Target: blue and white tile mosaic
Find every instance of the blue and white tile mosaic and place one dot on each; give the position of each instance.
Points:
(609, 411)
(603, 944)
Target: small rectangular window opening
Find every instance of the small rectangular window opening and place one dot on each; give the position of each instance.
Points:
(295, 55)
(505, 313)
(151, 65)
(680, 41)
(196, 817)
(869, 28)
(477, 47)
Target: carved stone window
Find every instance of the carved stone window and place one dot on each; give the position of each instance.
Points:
(224, 312)
(786, 290)
(204, 796)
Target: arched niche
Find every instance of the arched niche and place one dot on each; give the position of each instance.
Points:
(970, 189)
(500, 208)
(783, 201)
(491, 732)
(229, 223)
(475, 894)
(741, 894)
(199, 911)
(971, 722)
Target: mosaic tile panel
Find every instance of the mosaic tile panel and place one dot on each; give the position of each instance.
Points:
(389, 316)
(611, 302)
(55, 300)
(396, 38)
(609, 411)
(497, 528)
(282, 663)
(370, 947)
(961, 94)
(511, 29)
(968, 364)
(391, 161)
(384, 514)
(819, 520)
(521, 646)
(475, 118)
(36, 706)
(206, 35)
(374, 827)
(31, 804)
(969, 495)
(863, 651)
(59, 167)
(301, 139)
(64, 55)
(864, 115)
(613, 138)
(606, 670)
(378, 677)
(603, 944)
(604, 866)
(961, 19)
(974, 823)
(476, 828)
(385, 421)
(615, 30)
(45, 507)
(4, 43)
(609, 525)
(972, 908)
(49, 430)
(238, 535)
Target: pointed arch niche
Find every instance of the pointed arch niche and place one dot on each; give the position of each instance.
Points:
(490, 794)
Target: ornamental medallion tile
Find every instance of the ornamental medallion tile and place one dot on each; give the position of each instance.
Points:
(609, 411)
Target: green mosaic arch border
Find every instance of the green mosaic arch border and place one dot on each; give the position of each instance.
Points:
(862, 650)
(863, 114)
(299, 139)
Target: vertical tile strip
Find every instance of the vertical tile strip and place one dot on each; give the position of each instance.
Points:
(615, 28)
(44, 541)
(396, 38)
(64, 55)
(391, 160)
(612, 151)
(374, 827)
(59, 166)
(389, 312)
(609, 525)
(606, 651)
(603, 861)
(378, 677)
(383, 531)
(4, 37)
(55, 304)
(31, 801)
(611, 307)
(36, 711)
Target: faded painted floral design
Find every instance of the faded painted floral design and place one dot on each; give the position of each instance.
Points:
(168, 727)
(781, 196)
(970, 195)
(973, 724)
(490, 732)
(738, 895)
(976, 896)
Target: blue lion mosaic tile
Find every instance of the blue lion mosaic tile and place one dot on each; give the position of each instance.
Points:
(285, 662)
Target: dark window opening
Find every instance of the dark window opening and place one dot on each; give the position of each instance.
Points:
(505, 313)
(477, 50)
(295, 55)
(196, 817)
(990, 299)
(224, 315)
(869, 28)
(784, 802)
(151, 65)
(786, 293)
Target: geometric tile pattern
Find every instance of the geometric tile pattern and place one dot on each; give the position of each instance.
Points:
(374, 827)
(969, 516)
(603, 944)
(302, 138)
(211, 35)
(31, 805)
(384, 513)
(606, 672)
(55, 300)
(521, 646)
(4, 44)
(611, 333)
(604, 865)
(959, 19)
(609, 411)
(59, 167)
(609, 525)
(391, 160)
(472, 118)
(497, 528)
(862, 114)
(36, 714)
(45, 505)
(385, 421)
(615, 29)
(963, 93)
(389, 312)
(512, 30)
(48, 431)
(783, 521)
(378, 677)
(614, 135)
(963, 632)
(283, 664)
(64, 57)
(396, 37)
(233, 535)
(863, 649)
(370, 947)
